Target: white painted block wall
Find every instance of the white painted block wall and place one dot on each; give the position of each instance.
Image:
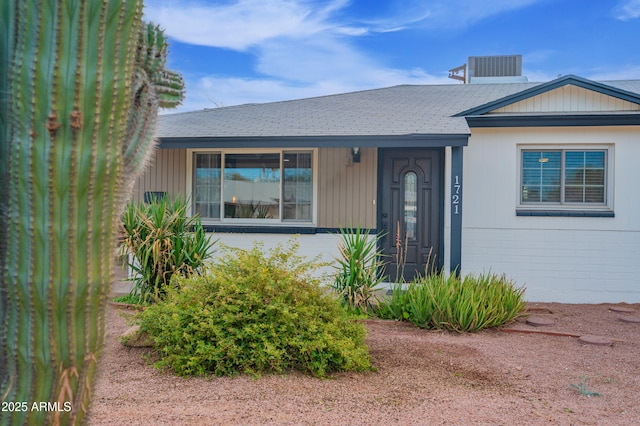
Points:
(557, 259)
(324, 245)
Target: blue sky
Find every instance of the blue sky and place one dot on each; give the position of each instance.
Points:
(234, 52)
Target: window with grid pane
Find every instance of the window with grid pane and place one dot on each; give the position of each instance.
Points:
(584, 177)
(563, 177)
(541, 176)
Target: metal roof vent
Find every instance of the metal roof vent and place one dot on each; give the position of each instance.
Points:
(490, 69)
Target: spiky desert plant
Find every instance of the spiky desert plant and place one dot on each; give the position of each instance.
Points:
(359, 269)
(160, 239)
(81, 82)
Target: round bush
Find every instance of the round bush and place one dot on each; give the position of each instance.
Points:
(254, 313)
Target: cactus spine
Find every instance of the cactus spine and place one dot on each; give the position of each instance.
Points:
(80, 84)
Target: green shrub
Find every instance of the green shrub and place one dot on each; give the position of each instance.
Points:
(162, 241)
(130, 299)
(254, 313)
(448, 302)
(359, 270)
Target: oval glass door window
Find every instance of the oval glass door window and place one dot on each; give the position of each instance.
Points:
(410, 203)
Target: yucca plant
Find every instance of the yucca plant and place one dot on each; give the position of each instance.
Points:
(161, 240)
(359, 269)
(80, 85)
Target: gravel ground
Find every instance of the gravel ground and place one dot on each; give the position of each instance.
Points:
(519, 375)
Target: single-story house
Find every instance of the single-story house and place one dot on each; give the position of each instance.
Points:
(538, 181)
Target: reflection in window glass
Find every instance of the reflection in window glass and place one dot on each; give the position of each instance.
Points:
(410, 203)
(255, 186)
(206, 184)
(541, 173)
(584, 177)
(297, 186)
(252, 186)
(563, 177)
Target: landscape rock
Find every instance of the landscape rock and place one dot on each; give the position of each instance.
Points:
(136, 338)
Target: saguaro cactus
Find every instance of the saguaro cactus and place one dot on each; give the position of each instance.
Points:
(80, 84)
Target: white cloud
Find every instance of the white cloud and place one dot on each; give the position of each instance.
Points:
(627, 10)
(243, 23)
(304, 48)
(312, 59)
(437, 14)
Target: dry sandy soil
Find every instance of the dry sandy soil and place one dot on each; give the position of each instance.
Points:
(497, 377)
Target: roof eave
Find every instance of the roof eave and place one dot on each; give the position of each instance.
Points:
(562, 120)
(364, 141)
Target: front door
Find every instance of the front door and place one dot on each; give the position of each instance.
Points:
(410, 210)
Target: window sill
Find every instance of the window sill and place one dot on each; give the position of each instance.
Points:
(260, 229)
(284, 229)
(564, 213)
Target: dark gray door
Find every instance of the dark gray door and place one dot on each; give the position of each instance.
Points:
(410, 208)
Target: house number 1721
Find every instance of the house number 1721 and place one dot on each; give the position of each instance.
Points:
(455, 195)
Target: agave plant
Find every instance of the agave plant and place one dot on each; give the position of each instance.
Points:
(81, 82)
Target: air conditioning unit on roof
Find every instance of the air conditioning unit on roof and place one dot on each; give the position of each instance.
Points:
(490, 69)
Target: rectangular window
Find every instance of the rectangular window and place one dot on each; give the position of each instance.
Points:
(252, 186)
(563, 177)
(297, 186)
(207, 174)
(584, 177)
(273, 186)
(541, 176)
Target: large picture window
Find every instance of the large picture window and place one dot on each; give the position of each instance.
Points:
(274, 186)
(564, 177)
(252, 186)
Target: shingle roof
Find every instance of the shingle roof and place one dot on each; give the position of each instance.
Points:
(398, 110)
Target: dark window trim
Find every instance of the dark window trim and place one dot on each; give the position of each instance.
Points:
(303, 230)
(567, 209)
(560, 120)
(259, 222)
(564, 213)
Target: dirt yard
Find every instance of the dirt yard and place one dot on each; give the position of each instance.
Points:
(522, 374)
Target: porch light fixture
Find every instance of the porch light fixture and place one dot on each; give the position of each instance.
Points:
(355, 154)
